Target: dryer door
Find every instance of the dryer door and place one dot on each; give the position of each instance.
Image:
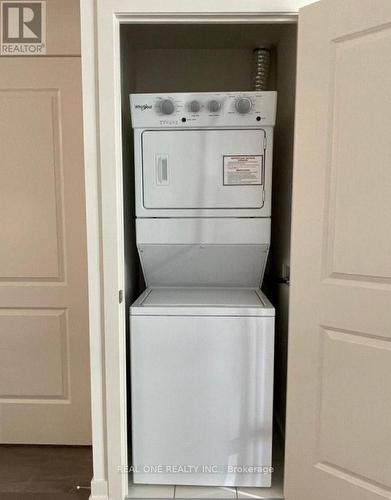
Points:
(203, 169)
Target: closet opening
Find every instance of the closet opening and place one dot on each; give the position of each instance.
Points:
(165, 59)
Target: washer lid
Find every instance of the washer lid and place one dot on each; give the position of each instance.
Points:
(185, 301)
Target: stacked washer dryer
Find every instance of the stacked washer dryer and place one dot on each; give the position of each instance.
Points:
(202, 333)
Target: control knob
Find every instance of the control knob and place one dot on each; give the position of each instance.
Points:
(167, 106)
(214, 106)
(194, 106)
(243, 105)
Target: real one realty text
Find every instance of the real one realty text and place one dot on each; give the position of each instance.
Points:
(193, 469)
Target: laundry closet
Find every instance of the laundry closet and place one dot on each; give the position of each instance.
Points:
(198, 175)
(183, 269)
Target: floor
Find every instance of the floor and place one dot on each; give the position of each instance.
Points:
(56, 472)
(164, 491)
(45, 472)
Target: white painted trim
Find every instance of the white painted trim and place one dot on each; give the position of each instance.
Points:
(202, 7)
(103, 153)
(172, 18)
(99, 490)
(91, 168)
(110, 143)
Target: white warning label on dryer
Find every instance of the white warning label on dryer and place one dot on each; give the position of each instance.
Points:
(242, 170)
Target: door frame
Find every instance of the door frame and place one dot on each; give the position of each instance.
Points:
(100, 22)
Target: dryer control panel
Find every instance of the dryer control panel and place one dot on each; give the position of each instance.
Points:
(206, 109)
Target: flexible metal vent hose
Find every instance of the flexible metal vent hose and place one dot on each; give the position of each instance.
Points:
(261, 68)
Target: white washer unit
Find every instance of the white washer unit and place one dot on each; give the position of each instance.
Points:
(202, 386)
(202, 334)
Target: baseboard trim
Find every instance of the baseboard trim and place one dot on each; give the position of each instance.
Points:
(99, 490)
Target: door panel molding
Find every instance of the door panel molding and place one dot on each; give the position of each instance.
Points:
(32, 173)
(37, 363)
(361, 482)
(336, 205)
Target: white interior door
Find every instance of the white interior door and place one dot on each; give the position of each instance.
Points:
(339, 380)
(44, 351)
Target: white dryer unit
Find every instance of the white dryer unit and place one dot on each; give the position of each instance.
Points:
(202, 334)
(203, 155)
(203, 180)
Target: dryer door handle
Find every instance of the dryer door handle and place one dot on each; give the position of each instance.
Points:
(162, 170)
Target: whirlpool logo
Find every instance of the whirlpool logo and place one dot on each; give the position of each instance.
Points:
(143, 107)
